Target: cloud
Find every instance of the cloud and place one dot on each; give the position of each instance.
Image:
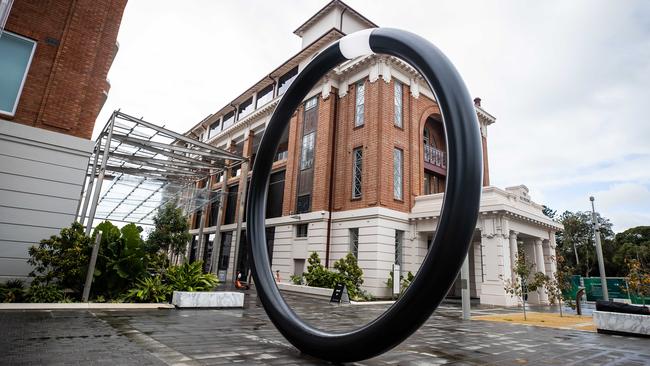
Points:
(569, 81)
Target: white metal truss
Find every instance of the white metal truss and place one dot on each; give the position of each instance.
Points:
(149, 166)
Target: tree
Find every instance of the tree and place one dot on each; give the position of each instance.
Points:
(317, 275)
(638, 279)
(632, 243)
(525, 281)
(171, 230)
(576, 242)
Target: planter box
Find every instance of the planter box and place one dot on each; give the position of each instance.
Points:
(217, 299)
(621, 323)
(308, 291)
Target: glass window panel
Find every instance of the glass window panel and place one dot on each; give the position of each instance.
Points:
(357, 172)
(310, 103)
(354, 242)
(246, 108)
(302, 230)
(359, 105)
(399, 235)
(397, 174)
(307, 153)
(15, 56)
(228, 120)
(286, 80)
(398, 104)
(215, 128)
(265, 95)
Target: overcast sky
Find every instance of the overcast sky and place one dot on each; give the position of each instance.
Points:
(568, 81)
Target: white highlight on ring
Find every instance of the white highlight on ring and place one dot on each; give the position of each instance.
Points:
(356, 44)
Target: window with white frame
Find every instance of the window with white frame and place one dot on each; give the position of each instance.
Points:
(307, 152)
(397, 173)
(398, 103)
(399, 241)
(354, 242)
(359, 104)
(357, 171)
(16, 54)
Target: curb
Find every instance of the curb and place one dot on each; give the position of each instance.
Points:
(84, 306)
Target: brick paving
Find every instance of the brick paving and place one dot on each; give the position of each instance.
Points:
(216, 337)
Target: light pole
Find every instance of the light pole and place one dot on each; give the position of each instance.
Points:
(599, 250)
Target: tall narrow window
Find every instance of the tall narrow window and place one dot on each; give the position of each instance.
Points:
(359, 105)
(397, 174)
(15, 57)
(354, 242)
(307, 153)
(398, 104)
(399, 239)
(357, 171)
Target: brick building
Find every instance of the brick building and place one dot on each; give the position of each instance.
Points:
(362, 169)
(54, 58)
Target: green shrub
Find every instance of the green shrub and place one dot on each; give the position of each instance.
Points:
(404, 282)
(190, 277)
(350, 274)
(62, 260)
(45, 293)
(12, 291)
(150, 289)
(297, 279)
(317, 275)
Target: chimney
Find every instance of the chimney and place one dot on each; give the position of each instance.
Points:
(477, 102)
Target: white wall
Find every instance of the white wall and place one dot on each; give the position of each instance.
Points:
(41, 174)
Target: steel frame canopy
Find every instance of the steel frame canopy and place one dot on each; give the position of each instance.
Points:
(149, 166)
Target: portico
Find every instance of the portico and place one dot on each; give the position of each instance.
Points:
(508, 220)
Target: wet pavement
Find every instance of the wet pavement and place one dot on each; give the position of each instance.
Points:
(247, 337)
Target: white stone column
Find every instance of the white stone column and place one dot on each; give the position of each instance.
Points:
(492, 288)
(540, 267)
(513, 253)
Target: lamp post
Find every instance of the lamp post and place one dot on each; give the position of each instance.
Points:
(599, 250)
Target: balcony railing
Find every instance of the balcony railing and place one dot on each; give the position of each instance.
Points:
(435, 157)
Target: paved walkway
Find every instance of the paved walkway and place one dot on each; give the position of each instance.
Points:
(215, 337)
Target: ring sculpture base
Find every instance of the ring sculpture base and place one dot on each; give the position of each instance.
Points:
(459, 211)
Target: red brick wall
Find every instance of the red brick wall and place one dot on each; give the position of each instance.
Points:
(65, 85)
(378, 136)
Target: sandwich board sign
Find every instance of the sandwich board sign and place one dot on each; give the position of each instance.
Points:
(340, 294)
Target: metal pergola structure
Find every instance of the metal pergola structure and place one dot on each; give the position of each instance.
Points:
(148, 166)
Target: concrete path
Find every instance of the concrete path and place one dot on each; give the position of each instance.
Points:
(214, 337)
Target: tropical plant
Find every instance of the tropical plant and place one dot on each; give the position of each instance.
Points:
(171, 230)
(45, 293)
(121, 259)
(150, 289)
(190, 277)
(12, 291)
(62, 260)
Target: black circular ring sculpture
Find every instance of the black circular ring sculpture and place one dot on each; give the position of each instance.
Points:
(456, 223)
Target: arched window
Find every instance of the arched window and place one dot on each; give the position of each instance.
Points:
(426, 135)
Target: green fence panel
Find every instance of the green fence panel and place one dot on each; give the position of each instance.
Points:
(616, 288)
